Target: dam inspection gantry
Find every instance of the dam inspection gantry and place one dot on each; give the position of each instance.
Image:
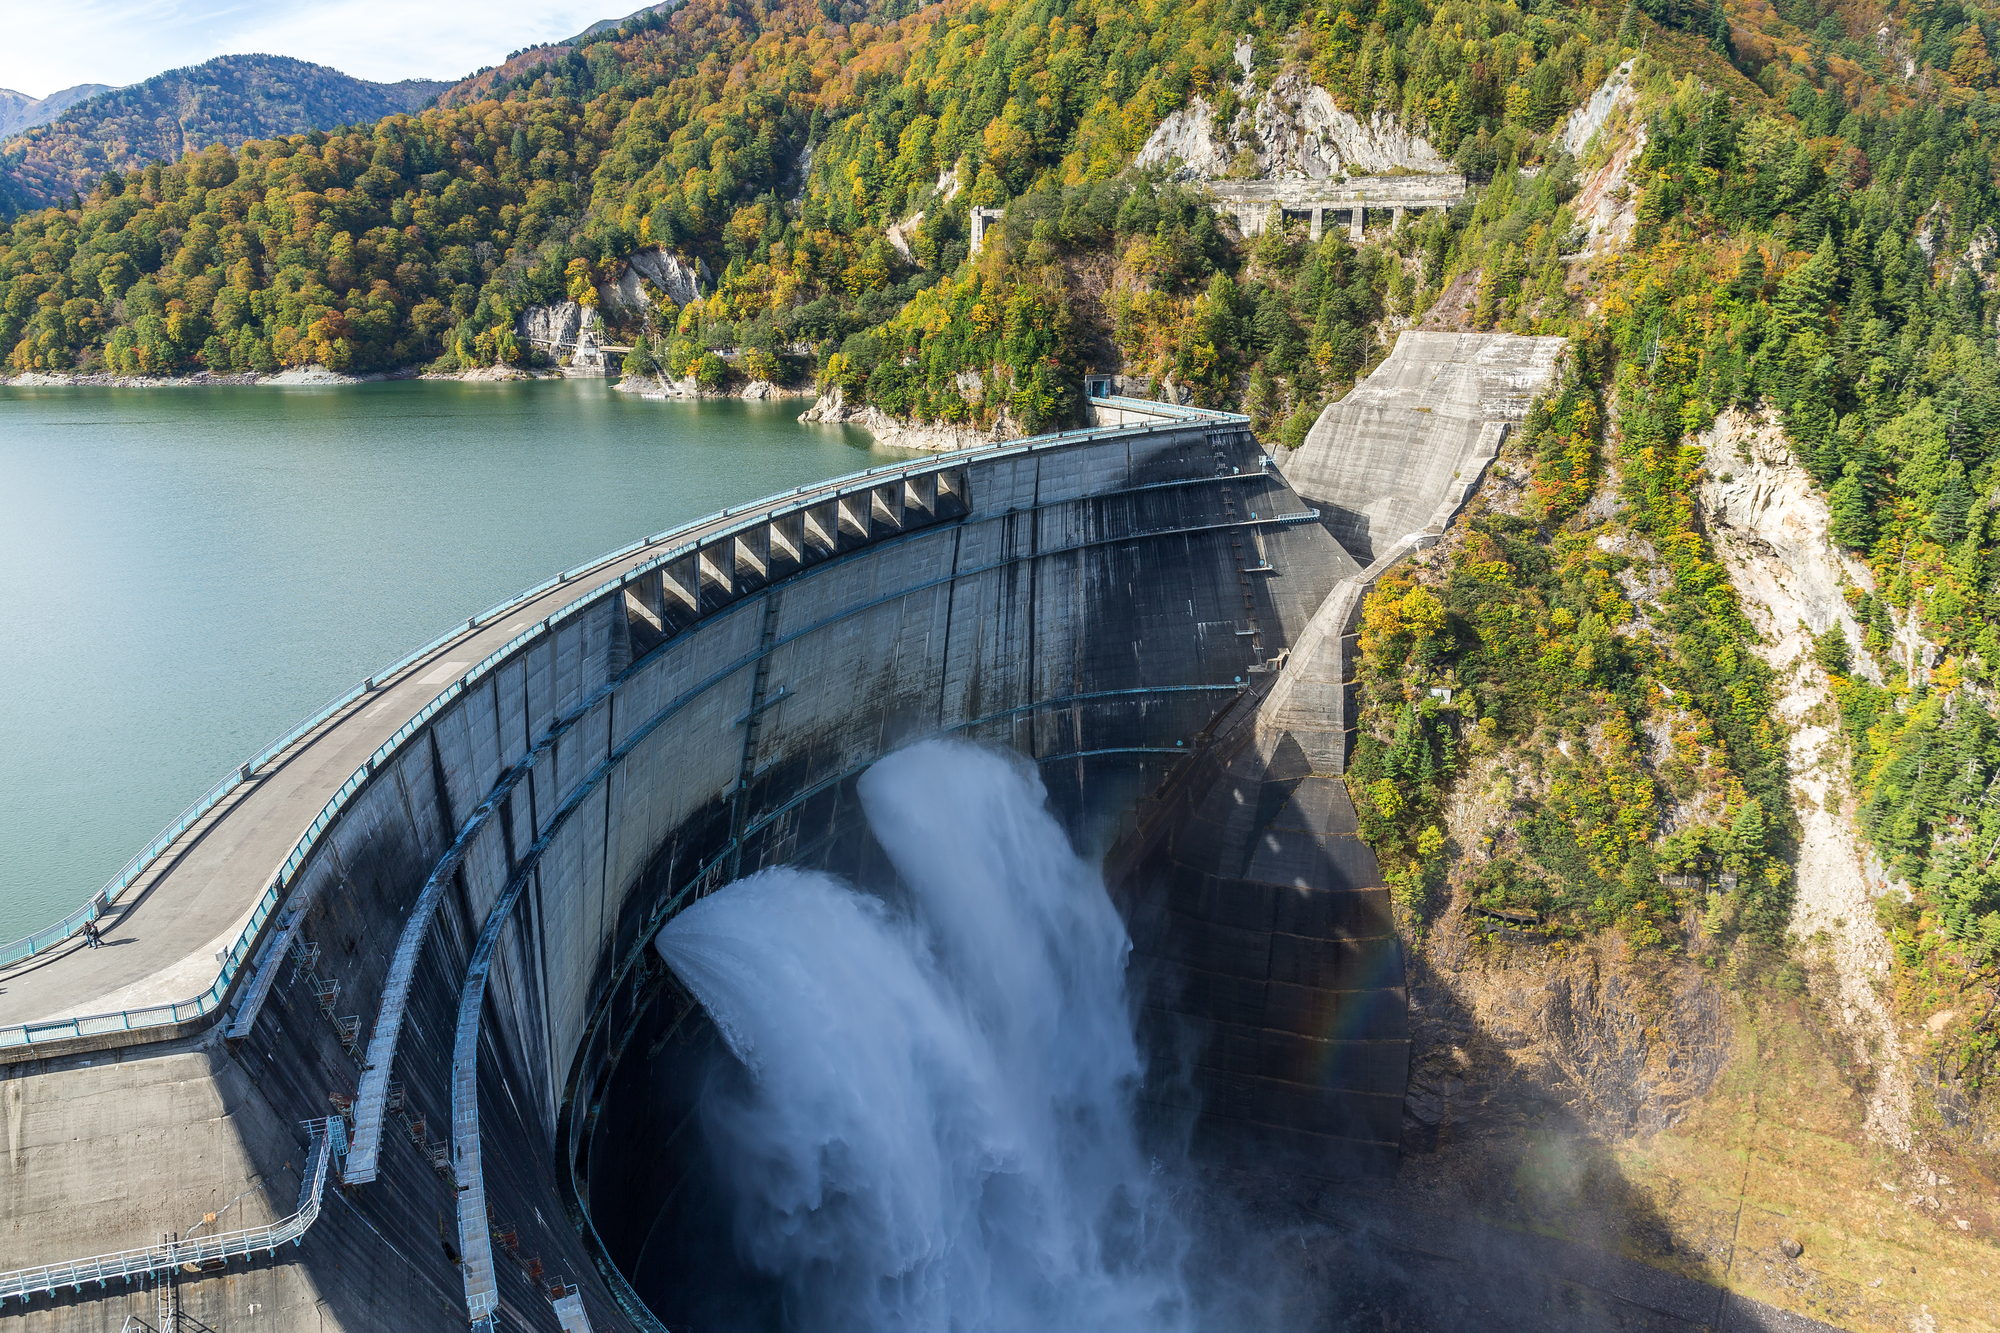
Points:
(383, 1044)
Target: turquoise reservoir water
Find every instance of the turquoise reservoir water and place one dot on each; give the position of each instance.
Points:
(185, 573)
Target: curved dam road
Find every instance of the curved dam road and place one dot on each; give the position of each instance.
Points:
(162, 937)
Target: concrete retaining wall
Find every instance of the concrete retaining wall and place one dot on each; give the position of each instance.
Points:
(1389, 466)
(1416, 433)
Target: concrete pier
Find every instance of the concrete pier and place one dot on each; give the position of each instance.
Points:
(982, 219)
(1257, 205)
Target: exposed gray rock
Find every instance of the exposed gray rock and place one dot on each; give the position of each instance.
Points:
(551, 327)
(1584, 122)
(899, 234)
(1294, 131)
(670, 273)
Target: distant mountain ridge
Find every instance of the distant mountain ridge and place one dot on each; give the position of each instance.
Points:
(226, 100)
(18, 111)
(475, 87)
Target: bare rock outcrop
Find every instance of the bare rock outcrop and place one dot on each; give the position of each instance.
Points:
(1583, 124)
(1770, 525)
(679, 280)
(1500, 1037)
(1294, 131)
(899, 234)
(832, 408)
(1607, 202)
(556, 326)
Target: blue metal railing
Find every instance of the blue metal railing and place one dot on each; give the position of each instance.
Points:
(328, 1138)
(231, 962)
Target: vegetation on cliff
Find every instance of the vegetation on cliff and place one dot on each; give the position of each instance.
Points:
(1826, 252)
(794, 154)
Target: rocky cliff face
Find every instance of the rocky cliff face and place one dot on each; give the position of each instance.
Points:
(677, 279)
(832, 408)
(1615, 93)
(1765, 1139)
(1770, 525)
(1293, 131)
(559, 326)
(1603, 136)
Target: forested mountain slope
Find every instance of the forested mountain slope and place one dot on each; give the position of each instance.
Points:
(1783, 215)
(226, 101)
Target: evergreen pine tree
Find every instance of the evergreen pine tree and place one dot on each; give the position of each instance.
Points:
(1718, 30)
(1749, 283)
(1853, 518)
(1953, 504)
(1807, 291)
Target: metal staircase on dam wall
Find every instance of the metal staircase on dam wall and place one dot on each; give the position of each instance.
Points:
(194, 1254)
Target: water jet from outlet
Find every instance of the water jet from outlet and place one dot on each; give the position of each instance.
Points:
(934, 1125)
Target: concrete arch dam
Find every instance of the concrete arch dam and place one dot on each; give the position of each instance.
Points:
(381, 1043)
(433, 1080)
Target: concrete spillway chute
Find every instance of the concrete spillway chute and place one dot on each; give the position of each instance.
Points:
(1388, 466)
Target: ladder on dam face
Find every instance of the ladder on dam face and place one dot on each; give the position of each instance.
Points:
(1254, 632)
(751, 721)
(169, 1294)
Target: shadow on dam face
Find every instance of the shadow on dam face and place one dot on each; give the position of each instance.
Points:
(1275, 1224)
(1103, 659)
(1261, 1021)
(674, 1188)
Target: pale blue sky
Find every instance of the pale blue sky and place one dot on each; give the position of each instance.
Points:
(51, 44)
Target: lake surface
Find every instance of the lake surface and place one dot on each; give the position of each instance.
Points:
(187, 573)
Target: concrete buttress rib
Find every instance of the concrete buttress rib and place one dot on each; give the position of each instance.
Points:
(1389, 466)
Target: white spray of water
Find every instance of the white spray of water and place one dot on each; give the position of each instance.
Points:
(936, 1132)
